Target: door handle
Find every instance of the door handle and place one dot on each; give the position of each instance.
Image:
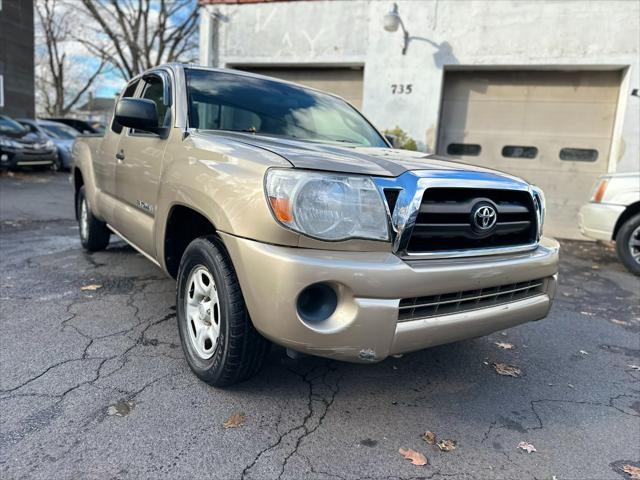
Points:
(120, 155)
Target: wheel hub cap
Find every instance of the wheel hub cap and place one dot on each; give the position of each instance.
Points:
(202, 312)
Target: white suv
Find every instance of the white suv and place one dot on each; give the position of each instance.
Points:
(614, 214)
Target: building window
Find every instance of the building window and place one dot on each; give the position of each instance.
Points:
(579, 154)
(464, 149)
(1, 86)
(517, 151)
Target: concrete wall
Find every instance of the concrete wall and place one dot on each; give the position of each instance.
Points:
(444, 34)
(16, 58)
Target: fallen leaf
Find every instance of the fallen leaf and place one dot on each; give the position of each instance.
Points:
(447, 445)
(416, 457)
(429, 437)
(634, 472)
(507, 370)
(505, 345)
(527, 447)
(584, 352)
(235, 420)
(634, 367)
(90, 288)
(120, 409)
(570, 386)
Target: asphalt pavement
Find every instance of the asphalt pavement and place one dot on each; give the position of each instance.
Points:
(93, 383)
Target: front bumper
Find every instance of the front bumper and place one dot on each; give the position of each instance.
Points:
(10, 158)
(597, 220)
(370, 285)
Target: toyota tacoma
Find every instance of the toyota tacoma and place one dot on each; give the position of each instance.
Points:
(286, 217)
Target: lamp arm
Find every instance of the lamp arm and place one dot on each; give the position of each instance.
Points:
(405, 34)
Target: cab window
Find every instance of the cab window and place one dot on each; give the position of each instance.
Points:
(128, 92)
(154, 90)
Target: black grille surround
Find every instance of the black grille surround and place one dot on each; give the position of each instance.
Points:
(445, 220)
(449, 303)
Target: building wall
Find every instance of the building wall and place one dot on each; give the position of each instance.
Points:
(444, 34)
(17, 57)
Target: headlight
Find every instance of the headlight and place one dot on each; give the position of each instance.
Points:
(49, 144)
(327, 206)
(5, 142)
(539, 203)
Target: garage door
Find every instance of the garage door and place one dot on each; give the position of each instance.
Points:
(552, 128)
(346, 82)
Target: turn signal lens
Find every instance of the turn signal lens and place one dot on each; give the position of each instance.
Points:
(281, 209)
(602, 188)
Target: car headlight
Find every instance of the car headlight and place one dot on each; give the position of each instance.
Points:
(5, 142)
(539, 203)
(327, 206)
(49, 144)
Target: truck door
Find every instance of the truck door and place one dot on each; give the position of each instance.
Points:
(104, 162)
(139, 166)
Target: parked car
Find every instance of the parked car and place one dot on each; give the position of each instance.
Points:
(285, 215)
(60, 134)
(21, 148)
(614, 214)
(81, 126)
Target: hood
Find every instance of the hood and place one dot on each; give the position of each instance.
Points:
(26, 137)
(383, 162)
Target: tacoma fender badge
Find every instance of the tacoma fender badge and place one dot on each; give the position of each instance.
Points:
(146, 206)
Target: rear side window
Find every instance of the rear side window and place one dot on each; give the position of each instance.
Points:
(579, 154)
(464, 149)
(128, 92)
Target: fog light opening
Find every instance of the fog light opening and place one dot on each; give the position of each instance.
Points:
(317, 302)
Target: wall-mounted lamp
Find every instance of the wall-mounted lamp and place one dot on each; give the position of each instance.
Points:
(391, 22)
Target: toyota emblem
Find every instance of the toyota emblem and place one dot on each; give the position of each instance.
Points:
(485, 217)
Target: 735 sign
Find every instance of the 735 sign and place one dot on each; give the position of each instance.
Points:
(401, 88)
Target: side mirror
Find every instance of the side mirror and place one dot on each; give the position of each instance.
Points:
(137, 113)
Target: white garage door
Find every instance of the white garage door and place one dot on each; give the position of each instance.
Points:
(552, 128)
(346, 82)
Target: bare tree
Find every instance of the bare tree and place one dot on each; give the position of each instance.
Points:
(134, 35)
(62, 80)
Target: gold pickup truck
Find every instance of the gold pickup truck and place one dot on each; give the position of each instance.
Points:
(285, 216)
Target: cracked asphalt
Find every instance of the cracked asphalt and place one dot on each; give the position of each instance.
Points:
(93, 384)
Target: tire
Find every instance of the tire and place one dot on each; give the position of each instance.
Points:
(628, 244)
(94, 234)
(229, 349)
(57, 166)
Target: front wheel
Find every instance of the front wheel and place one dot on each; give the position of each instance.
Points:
(628, 244)
(94, 233)
(219, 341)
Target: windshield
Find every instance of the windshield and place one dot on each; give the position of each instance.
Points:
(8, 125)
(224, 101)
(61, 131)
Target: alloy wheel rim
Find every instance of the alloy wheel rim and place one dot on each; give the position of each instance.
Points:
(202, 312)
(634, 244)
(84, 220)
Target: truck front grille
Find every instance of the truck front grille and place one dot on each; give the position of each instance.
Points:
(446, 220)
(449, 303)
